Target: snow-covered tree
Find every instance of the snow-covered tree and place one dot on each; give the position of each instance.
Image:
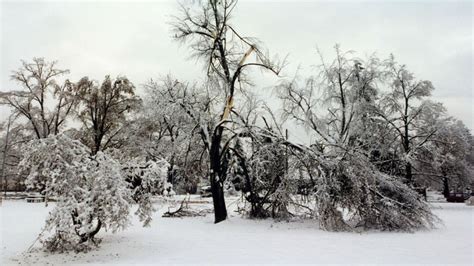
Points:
(445, 162)
(345, 178)
(90, 190)
(257, 160)
(206, 26)
(39, 108)
(103, 110)
(44, 101)
(164, 129)
(258, 168)
(147, 178)
(12, 136)
(402, 109)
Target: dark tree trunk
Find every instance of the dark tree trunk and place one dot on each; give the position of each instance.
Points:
(406, 140)
(96, 230)
(220, 211)
(408, 173)
(445, 187)
(86, 236)
(217, 177)
(408, 166)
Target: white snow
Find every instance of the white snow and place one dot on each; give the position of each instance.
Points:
(241, 241)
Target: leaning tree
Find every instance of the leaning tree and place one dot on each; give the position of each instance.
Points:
(80, 183)
(91, 191)
(206, 27)
(341, 119)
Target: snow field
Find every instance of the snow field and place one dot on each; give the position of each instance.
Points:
(196, 240)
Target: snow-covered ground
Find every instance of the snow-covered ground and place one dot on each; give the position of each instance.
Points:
(241, 241)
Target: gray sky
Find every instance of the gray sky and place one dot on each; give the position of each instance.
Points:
(95, 38)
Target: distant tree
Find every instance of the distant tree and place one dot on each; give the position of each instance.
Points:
(40, 108)
(103, 110)
(402, 107)
(12, 137)
(44, 101)
(206, 27)
(445, 159)
(164, 129)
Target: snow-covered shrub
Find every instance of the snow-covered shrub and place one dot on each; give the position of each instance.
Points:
(90, 191)
(147, 178)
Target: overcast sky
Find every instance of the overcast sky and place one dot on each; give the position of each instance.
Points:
(95, 38)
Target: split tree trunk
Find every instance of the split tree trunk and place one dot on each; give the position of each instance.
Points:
(217, 177)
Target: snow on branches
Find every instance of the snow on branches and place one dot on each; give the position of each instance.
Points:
(147, 179)
(352, 193)
(90, 191)
(258, 168)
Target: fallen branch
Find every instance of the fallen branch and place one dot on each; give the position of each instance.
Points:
(185, 211)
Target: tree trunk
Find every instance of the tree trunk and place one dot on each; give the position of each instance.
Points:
(408, 166)
(406, 140)
(86, 236)
(220, 211)
(408, 173)
(217, 178)
(445, 187)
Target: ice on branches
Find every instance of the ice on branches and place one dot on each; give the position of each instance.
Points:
(91, 190)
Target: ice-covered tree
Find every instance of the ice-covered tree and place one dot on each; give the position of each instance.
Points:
(12, 136)
(103, 110)
(259, 170)
(146, 178)
(402, 109)
(44, 101)
(164, 129)
(90, 191)
(258, 160)
(206, 27)
(345, 178)
(40, 108)
(445, 162)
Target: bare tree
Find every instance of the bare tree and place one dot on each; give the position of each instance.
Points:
(43, 101)
(206, 27)
(103, 109)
